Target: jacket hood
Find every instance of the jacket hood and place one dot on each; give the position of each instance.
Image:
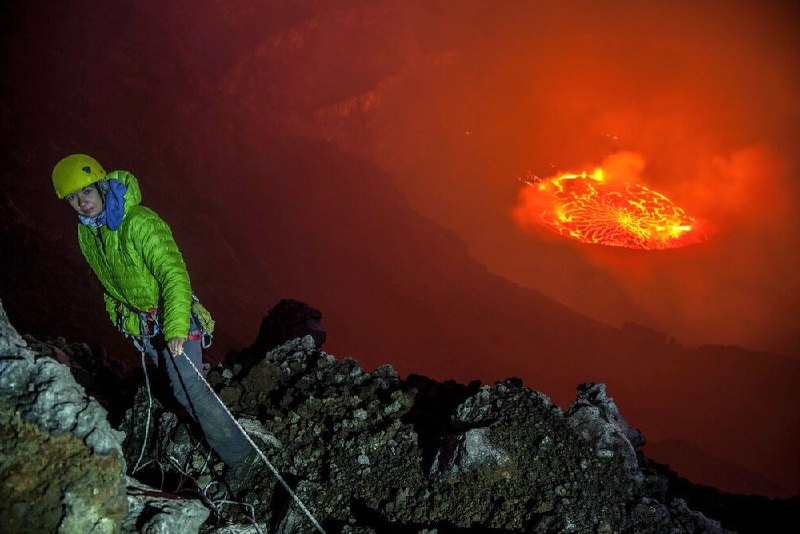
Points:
(133, 196)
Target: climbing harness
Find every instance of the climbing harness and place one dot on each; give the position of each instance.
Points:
(204, 320)
(149, 324)
(148, 321)
(149, 327)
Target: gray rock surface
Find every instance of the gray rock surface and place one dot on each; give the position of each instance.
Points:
(11, 343)
(46, 394)
(596, 418)
(61, 463)
(154, 512)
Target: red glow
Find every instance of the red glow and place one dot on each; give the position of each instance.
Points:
(274, 137)
(601, 208)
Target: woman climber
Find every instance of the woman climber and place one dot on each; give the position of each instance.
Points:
(146, 289)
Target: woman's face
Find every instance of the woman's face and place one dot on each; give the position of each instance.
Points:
(86, 201)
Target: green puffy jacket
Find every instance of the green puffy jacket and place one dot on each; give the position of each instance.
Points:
(139, 266)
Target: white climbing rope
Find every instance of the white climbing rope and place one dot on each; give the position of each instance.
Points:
(257, 449)
(149, 409)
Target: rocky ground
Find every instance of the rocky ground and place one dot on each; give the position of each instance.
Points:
(368, 452)
(365, 452)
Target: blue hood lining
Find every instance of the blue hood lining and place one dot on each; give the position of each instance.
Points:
(113, 207)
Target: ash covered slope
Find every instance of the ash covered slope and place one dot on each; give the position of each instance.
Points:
(368, 452)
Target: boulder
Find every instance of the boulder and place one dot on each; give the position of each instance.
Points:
(61, 463)
(155, 512)
(289, 319)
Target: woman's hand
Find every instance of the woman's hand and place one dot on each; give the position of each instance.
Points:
(175, 346)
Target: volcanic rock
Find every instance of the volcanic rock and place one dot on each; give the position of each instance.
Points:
(369, 452)
(104, 378)
(61, 464)
(289, 319)
(153, 511)
(595, 416)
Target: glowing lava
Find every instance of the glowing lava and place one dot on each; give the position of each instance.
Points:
(593, 209)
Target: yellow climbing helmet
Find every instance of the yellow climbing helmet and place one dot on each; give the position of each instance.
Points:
(76, 172)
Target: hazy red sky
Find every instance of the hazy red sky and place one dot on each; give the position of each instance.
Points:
(455, 100)
(475, 94)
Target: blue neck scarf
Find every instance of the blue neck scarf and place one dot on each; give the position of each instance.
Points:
(113, 207)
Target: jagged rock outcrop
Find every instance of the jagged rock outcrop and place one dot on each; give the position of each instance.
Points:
(287, 320)
(368, 452)
(103, 377)
(152, 511)
(61, 464)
